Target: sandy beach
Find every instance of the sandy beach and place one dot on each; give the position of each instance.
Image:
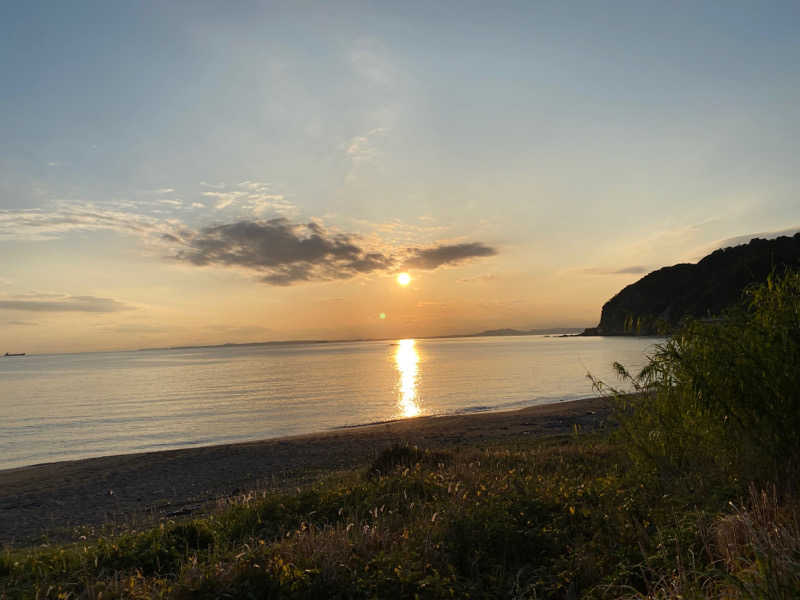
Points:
(51, 500)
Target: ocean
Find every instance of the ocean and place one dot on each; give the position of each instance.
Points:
(70, 406)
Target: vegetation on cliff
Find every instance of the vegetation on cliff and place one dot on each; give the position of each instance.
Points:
(659, 301)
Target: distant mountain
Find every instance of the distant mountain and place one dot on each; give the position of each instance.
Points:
(487, 333)
(662, 298)
(500, 332)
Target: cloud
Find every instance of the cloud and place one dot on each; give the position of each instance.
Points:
(285, 253)
(254, 197)
(36, 224)
(281, 251)
(254, 186)
(363, 150)
(145, 329)
(486, 277)
(744, 239)
(224, 199)
(62, 303)
(632, 270)
(362, 147)
(437, 256)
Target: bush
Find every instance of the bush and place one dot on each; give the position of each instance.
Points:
(721, 398)
(405, 456)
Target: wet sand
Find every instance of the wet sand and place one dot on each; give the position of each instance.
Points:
(53, 499)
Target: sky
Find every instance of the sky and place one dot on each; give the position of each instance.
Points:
(206, 172)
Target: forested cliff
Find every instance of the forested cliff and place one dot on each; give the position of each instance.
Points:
(659, 300)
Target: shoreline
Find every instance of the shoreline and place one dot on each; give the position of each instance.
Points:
(191, 445)
(55, 498)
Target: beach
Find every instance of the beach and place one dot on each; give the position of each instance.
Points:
(63, 500)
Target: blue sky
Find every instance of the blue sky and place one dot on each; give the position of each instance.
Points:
(572, 139)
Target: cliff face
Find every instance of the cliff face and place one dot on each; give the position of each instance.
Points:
(662, 298)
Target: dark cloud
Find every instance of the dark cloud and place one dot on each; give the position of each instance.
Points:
(287, 253)
(53, 303)
(632, 270)
(437, 256)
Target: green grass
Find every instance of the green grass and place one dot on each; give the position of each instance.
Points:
(693, 496)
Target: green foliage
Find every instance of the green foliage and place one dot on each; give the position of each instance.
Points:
(720, 400)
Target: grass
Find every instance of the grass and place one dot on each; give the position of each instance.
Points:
(554, 518)
(693, 496)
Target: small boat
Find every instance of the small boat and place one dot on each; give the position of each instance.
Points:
(15, 354)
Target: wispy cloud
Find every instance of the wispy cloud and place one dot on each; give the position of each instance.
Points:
(362, 151)
(744, 239)
(138, 328)
(224, 199)
(61, 303)
(36, 224)
(253, 197)
(480, 278)
(362, 147)
(254, 186)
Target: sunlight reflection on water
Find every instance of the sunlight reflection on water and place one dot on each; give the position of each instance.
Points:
(406, 359)
(72, 406)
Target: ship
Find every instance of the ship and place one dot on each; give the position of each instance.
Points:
(15, 354)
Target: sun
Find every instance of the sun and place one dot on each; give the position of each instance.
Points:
(403, 279)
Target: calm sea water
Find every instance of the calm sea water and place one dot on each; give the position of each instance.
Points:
(68, 406)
